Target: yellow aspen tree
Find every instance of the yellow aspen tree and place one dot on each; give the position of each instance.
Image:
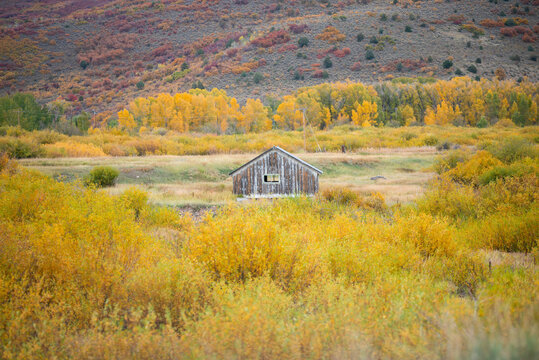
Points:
(503, 112)
(126, 120)
(408, 115)
(532, 119)
(177, 122)
(365, 114)
(256, 118)
(514, 109)
(430, 116)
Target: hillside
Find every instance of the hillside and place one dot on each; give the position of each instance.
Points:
(100, 55)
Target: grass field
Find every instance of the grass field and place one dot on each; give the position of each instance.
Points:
(203, 180)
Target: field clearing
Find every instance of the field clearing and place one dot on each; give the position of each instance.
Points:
(202, 180)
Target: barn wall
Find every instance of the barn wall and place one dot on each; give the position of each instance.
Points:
(295, 177)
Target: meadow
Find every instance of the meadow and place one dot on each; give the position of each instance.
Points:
(18, 143)
(448, 273)
(202, 180)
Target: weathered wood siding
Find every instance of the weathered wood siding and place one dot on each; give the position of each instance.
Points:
(295, 177)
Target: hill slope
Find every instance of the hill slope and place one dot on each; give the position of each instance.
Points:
(101, 54)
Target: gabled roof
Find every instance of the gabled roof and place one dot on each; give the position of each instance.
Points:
(282, 151)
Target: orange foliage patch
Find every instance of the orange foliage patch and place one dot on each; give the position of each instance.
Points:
(331, 34)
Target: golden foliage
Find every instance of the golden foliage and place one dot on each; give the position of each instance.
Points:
(89, 275)
(331, 34)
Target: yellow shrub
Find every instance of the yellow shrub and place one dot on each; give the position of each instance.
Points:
(469, 172)
(72, 149)
(431, 236)
(512, 232)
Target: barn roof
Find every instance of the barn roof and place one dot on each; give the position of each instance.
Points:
(282, 151)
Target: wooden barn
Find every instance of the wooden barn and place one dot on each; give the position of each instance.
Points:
(275, 173)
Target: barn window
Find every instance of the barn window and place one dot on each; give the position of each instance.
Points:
(271, 178)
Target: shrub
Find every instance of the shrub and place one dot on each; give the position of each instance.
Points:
(369, 55)
(198, 85)
(331, 34)
(72, 149)
(447, 64)
(303, 41)
(140, 85)
(102, 176)
(360, 37)
(514, 57)
(513, 149)
(356, 66)
(258, 77)
(297, 29)
(408, 28)
(18, 149)
(510, 22)
(478, 61)
(476, 31)
(430, 140)
(450, 161)
(499, 172)
(508, 32)
(320, 74)
(500, 74)
(298, 75)
(506, 232)
(327, 62)
(134, 199)
(468, 172)
(482, 123)
(272, 38)
(84, 64)
(472, 69)
(459, 72)
(527, 38)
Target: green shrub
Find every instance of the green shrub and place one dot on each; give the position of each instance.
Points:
(369, 55)
(513, 149)
(257, 78)
(447, 64)
(499, 172)
(303, 41)
(327, 62)
(198, 85)
(408, 28)
(360, 37)
(514, 58)
(472, 69)
(450, 161)
(510, 22)
(17, 149)
(482, 123)
(102, 176)
(140, 85)
(430, 140)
